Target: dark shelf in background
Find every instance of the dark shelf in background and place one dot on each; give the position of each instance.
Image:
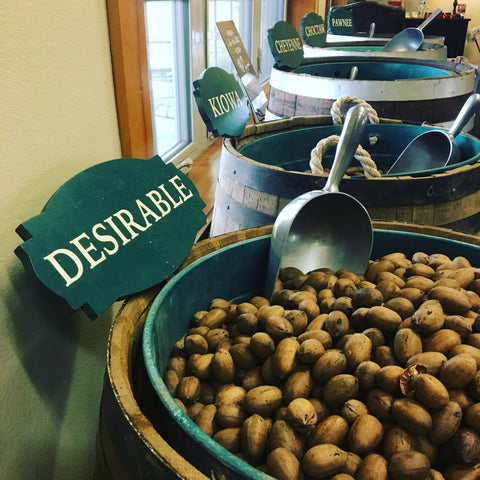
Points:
(454, 30)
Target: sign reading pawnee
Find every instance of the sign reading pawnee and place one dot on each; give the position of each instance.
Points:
(313, 30)
(245, 70)
(340, 21)
(285, 44)
(221, 102)
(112, 230)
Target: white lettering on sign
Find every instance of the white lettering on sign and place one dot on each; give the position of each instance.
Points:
(288, 45)
(222, 104)
(342, 22)
(117, 230)
(233, 39)
(314, 30)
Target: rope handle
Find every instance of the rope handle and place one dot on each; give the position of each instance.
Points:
(368, 165)
(336, 110)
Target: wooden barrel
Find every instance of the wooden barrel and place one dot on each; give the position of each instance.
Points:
(130, 442)
(404, 89)
(265, 167)
(128, 445)
(236, 273)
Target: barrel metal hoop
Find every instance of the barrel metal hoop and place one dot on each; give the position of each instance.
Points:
(268, 180)
(239, 213)
(439, 111)
(450, 185)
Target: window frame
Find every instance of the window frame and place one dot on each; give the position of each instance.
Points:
(126, 23)
(128, 44)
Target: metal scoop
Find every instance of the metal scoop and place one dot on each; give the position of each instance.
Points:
(324, 228)
(410, 39)
(353, 73)
(436, 148)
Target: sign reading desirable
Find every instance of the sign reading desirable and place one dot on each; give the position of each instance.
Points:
(313, 30)
(285, 44)
(221, 102)
(114, 229)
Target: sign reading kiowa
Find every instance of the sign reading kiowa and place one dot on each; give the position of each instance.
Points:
(221, 102)
(340, 21)
(112, 230)
(313, 30)
(285, 44)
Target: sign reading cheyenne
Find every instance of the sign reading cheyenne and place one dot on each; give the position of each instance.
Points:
(285, 44)
(114, 229)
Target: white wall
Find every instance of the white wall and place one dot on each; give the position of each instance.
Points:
(58, 117)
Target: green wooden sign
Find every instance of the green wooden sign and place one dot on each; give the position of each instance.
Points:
(285, 44)
(340, 21)
(221, 102)
(313, 30)
(112, 230)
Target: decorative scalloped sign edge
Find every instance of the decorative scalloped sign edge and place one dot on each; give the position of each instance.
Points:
(112, 230)
(313, 30)
(221, 102)
(285, 44)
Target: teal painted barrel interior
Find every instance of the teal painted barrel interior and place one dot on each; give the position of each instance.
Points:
(373, 48)
(372, 70)
(236, 273)
(291, 150)
(267, 166)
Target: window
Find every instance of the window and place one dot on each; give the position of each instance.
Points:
(272, 11)
(240, 11)
(252, 19)
(169, 75)
(172, 35)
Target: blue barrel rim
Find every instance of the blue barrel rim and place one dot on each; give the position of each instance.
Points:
(370, 131)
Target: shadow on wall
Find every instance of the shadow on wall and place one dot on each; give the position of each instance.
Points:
(47, 340)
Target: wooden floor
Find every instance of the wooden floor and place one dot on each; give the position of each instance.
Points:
(204, 174)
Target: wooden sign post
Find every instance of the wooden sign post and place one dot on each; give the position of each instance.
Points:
(245, 70)
(112, 230)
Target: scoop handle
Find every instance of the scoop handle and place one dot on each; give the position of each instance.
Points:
(469, 108)
(352, 132)
(430, 18)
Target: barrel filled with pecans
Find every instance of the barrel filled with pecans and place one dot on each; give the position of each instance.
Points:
(338, 376)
